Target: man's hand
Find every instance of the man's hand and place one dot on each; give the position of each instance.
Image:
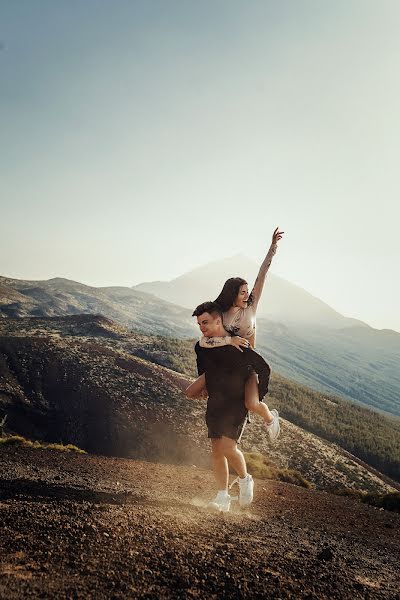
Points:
(238, 341)
(277, 235)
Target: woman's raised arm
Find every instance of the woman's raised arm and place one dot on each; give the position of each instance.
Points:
(259, 283)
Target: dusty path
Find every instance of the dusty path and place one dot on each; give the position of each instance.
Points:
(76, 526)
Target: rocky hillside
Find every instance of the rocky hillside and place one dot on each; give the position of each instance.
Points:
(60, 297)
(358, 363)
(77, 526)
(79, 380)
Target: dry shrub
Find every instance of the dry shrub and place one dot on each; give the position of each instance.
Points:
(19, 440)
(262, 468)
(389, 501)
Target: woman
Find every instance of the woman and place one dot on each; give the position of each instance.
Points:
(239, 319)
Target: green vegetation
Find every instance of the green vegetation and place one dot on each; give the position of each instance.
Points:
(358, 363)
(19, 440)
(261, 467)
(175, 354)
(368, 435)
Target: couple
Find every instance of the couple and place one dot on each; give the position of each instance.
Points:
(234, 377)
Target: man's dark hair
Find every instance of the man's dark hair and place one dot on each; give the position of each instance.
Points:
(207, 307)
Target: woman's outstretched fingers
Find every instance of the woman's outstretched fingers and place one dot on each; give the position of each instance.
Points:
(277, 235)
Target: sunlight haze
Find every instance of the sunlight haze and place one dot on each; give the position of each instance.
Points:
(143, 139)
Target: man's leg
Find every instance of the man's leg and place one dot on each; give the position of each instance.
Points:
(222, 501)
(236, 459)
(220, 464)
(235, 456)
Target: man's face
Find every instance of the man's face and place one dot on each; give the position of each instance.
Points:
(209, 324)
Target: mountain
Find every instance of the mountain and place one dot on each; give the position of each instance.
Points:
(359, 363)
(355, 361)
(58, 296)
(282, 301)
(302, 337)
(83, 380)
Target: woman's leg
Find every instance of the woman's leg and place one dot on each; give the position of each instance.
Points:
(252, 399)
(197, 389)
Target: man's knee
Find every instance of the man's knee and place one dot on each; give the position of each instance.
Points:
(251, 403)
(228, 446)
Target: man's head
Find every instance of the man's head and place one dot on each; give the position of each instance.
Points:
(209, 318)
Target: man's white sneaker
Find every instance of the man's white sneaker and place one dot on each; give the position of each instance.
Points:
(273, 428)
(221, 502)
(246, 486)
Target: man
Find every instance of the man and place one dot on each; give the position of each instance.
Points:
(226, 371)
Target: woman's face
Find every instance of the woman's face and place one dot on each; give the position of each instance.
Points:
(242, 297)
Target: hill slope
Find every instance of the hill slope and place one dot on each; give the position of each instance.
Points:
(361, 364)
(59, 297)
(80, 380)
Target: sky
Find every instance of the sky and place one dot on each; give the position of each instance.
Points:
(141, 139)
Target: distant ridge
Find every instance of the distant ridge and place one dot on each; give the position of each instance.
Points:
(281, 300)
(59, 296)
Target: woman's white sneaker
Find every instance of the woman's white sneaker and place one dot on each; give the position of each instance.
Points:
(221, 502)
(273, 428)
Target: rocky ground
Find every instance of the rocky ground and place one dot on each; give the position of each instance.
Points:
(80, 526)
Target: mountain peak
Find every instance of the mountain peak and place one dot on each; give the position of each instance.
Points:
(282, 300)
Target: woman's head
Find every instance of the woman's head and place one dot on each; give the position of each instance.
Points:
(234, 293)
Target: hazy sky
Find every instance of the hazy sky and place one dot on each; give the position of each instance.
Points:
(140, 139)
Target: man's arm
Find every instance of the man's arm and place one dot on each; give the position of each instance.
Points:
(201, 368)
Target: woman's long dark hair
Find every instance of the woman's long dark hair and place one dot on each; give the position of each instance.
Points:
(229, 293)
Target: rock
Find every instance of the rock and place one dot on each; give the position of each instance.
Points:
(325, 554)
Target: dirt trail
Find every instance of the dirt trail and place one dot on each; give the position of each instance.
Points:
(77, 526)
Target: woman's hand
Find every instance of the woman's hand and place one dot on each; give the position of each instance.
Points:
(238, 341)
(277, 235)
